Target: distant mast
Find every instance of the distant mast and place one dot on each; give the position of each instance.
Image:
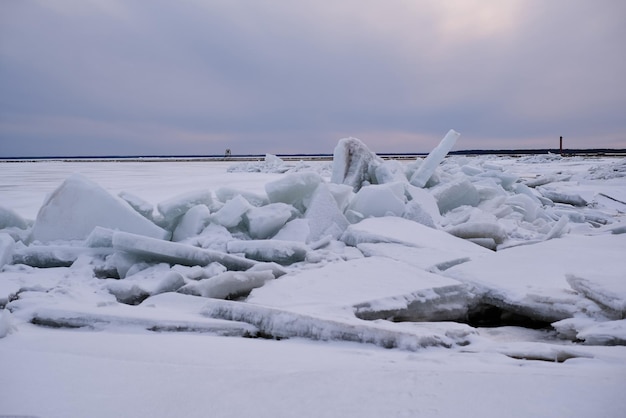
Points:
(561, 145)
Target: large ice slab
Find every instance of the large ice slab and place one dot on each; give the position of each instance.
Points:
(434, 158)
(278, 251)
(371, 288)
(281, 323)
(403, 231)
(430, 259)
(530, 280)
(172, 252)
(79, 205)
(191, 223)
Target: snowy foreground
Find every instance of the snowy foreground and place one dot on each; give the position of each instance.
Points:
(461, 286)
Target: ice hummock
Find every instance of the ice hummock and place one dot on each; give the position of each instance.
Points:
(339, 253)
(78, 205)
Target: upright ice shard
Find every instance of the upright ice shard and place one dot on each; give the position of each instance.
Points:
(353, 163)
(436, 156)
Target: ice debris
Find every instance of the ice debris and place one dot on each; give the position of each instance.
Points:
(367, 242)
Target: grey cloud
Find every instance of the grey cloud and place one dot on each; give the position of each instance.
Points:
(288, 76)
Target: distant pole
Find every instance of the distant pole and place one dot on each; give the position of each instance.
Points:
(561, 145)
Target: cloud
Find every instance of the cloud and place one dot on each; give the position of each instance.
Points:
(291, 76)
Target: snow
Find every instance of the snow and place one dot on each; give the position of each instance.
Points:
(359, 293)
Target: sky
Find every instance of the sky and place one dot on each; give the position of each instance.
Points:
(195, 77)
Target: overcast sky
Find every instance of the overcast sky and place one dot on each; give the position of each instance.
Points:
(136, 77)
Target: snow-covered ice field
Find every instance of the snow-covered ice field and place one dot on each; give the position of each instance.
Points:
(466, 286)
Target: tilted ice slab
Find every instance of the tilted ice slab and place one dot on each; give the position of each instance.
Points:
(279, 251)
(266, 221)
(79, 205)
(604, 289)
(592, 332)
(282, 323)
(10, 219)
(429, 259)
(152, 249)
(530, 280)
(151, 281)
(74, 315)
(434, 158)
(403, 231)
(324, 216)
(371, 288)
(293, 189)
(229, 284)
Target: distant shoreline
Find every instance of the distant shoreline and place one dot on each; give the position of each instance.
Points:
(591, 152)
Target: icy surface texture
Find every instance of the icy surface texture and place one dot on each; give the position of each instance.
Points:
(293, 189)
(324, 216)
(267, 220)
(192, 223)
(78, 205)
(231, 214)
(409, 233)
(172, 209)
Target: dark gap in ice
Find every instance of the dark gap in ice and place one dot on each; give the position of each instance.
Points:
(60, 323)
(106, 273)
(185, 328)
(489, 316)
(133, 300)
(265, 336)
(559, 357)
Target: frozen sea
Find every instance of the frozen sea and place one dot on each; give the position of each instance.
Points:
(389, 312)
